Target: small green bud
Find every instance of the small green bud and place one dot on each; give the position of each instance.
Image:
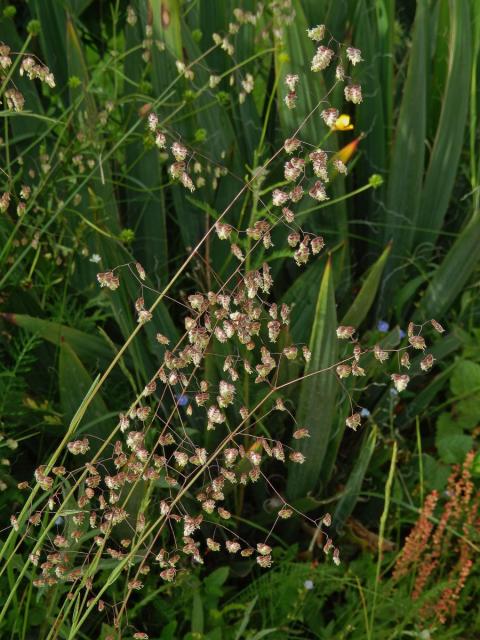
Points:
(375, 180)
(145, 87)
(127, 236)
(197, 35)
(33, 27)
(200, 135)
(148, 142)
(223, 98)
(74, 82)
(9, 11)
(189, 95)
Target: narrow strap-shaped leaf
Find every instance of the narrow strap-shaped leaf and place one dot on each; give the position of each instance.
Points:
(24, 127)
(448, 141)
(384, 58)
(90, 348)
(77, 67)
(146, 209)
(74, 383)
(347, 502)
(366, 296)
(77, 7)
(373, 370)
(52, 35)
(453, 273)
(312, 99)
(317, 396)
(407, 167)
(302, 297)
(371, 115)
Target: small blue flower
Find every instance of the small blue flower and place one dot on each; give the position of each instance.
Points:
(308, 584)
(383, 326)
(59, 521)
(182, 399)
(364, 413)
(402, 333)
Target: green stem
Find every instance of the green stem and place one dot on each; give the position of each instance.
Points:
(420, 459)
(381, 534)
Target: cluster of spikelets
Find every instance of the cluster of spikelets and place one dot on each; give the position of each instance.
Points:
(152, 448)
(442, 544)
(149, 447)
(323, 58)
(14, 99)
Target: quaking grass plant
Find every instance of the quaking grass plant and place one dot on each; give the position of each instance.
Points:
(146, 500)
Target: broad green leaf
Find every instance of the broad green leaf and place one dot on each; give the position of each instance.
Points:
(436, 472)
(169, 631)
(77, 67)
(465, 387)
(316, 408)
(452, 444)
(406, 294)
(214, 580)
(102, 202)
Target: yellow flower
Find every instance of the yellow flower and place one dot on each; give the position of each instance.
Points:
(343, 123)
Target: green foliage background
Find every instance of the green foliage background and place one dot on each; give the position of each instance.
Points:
(403, 236)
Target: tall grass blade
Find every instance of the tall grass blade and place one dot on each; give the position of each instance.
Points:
(366, 296)
(89, 348)
(347, 502)
(453, 273)
(74, 382)
(316, 406)
(406, 171)
(447, 146)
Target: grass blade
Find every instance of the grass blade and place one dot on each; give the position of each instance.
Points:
(347, 502)
(449, 137)
(452, 275)
(317, 396)
(366, 296)
(406, 171)
(88, 347)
